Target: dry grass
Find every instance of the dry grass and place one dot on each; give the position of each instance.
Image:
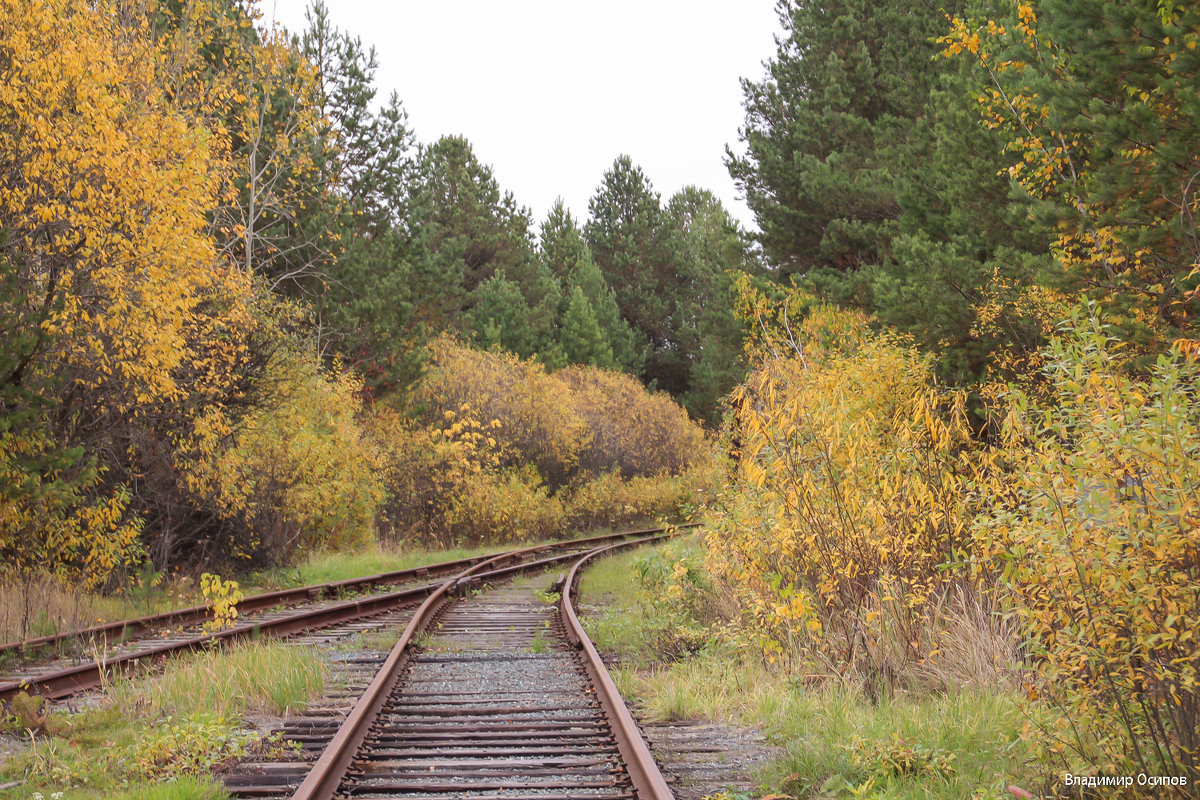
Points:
(44, 606)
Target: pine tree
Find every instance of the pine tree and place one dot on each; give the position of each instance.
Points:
(710, 248)
(848, 84)
(632, 246)
(364, 305)
(583, 341)
(564, 252)
(873, 184)
(464, 232)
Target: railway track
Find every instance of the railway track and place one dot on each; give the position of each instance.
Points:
(276, 614)
(489, 693)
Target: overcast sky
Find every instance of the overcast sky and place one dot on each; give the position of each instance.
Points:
(549, 92)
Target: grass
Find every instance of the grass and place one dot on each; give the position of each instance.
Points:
(267, 678)
(323, 567)
(45, 606)
(833, 742)
(160, 737)
(625, 627)
(383, 639)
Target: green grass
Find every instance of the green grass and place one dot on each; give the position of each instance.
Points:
(268, 678)
(833, 742)
(182, 789)
(628, 623)
(324, 567)
(175, 725)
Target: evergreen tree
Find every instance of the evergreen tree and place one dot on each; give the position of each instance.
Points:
(709, 248)
(365, 302)
(1104, 136)
(583, 341)
(564, 252)
(848, 85)
(463, 232)
(633, 248)
(874, 184)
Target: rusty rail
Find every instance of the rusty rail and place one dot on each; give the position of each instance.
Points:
(65, 682)
(252, 603)
(647, 779)
(323, 781)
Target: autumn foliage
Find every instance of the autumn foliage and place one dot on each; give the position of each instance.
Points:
(862, 506)
(848, 499)
(1092, 526)
(154, 397)
(505, 449)
(107, 268)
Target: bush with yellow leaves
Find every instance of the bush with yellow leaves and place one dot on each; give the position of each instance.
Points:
(505, 451)
(632, 431)
(529, 419)
(1092, 521)
(300, 471)
(848, 499)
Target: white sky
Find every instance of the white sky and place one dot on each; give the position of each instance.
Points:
(549, 92)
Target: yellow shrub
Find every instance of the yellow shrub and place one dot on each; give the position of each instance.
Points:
(632, 431)
(848, 496)
(1092, 520)
(524, 410)
(300, 471)
(609, 499)
(505, 451)
(509, 505)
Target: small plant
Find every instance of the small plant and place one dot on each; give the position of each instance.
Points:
(30, 714)
(142, 588)
(539, 644)
(901, 758)
(222, 598)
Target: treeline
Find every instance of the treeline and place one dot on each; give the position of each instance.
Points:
(429, 242)
(967, 449)
(238, 293)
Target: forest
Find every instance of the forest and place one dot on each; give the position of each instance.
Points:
(938, 414)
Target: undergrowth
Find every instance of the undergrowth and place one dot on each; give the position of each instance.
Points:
(682, 660)
(162, 737)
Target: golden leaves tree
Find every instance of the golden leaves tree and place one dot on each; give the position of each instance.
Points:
(107, 185)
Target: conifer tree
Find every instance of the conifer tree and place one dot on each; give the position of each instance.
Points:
(582, 339)
(872, 184)
(632, 246)
(469, 241)
(567, 256)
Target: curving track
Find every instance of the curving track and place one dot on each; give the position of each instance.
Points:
(504, 697)
(278, 614)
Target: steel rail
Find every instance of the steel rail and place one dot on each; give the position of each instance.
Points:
(63, 683)
(265, 600)
(327, 774)
(648, 781)
(254, 602)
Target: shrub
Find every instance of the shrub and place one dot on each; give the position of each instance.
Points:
(300, 471)
(504, 451)
(848, 500)
(1092, 522)
(632, 431)
(525, 410)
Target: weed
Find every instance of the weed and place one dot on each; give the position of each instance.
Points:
(270, 678)
(540, 644)
(901, 758)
